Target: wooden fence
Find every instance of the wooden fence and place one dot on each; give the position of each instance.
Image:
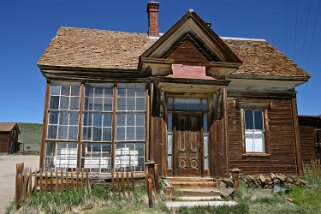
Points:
(29, 181)
(313, 169)
(122, 181)
(152, 181)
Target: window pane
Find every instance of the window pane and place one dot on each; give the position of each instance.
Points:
(99, 92)
(121, 92)
(169, 144)
(140, 133)
(121, 119)
(63, 119)
(249, 147)
(108, 104)
(120, 133)
(73, 133)
(65, 156)
(73, 118)
(87, 133)
(75, 91)
(109, 91)
(52, 132)
(205, 123)
(189, 104)
(65, 90)
(258, 120)
(258, 141)
(140, 103)
(249, 119)
(107, 120)
(130, 119)
(130, 133)
(140, 119)
(107, 134)
(63, 132)
(88, 119)
(130, 103)
(64, 103)
(97, 134)
(89, 91)
(121, 104)
(170, 103)
(169, 122)
(140, 92)
(97, 119)
(98, 104)
(74, 103)
(55, 90)
(54, 102)
(53, 117)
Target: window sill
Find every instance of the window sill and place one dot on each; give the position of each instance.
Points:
(246, 155)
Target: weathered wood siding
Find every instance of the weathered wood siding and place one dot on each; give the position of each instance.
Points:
(4, 141)
(307, 141)
(280, 139)
(187, 53)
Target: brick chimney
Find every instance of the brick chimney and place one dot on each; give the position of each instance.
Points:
(152, 11)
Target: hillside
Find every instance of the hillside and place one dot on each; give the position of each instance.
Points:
(30, 135)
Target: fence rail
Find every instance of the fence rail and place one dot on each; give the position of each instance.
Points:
(29, 181)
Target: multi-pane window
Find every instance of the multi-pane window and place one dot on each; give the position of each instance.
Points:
(97, 157)
(63, 112)
(130, 156)
(130, 126)
(254, 131)
(61, 155)
(97, 113)
(97, 121)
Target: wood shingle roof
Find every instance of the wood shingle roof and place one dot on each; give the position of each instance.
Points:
(102, 50)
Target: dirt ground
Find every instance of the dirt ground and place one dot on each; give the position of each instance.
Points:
(7, 175)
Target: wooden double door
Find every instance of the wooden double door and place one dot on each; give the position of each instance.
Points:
(187, 144)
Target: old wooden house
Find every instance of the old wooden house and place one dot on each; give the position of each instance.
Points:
(195, 103)
(9, 133)
(310, 137)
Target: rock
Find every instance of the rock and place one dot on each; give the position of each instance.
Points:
(277, 188)
(228, 182)
(225, 190)
(281, 177)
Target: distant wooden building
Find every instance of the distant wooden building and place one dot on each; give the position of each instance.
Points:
(310, 137)
(9, 133)
(195, 103)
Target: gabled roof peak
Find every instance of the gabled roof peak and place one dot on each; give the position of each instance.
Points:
(191, 10)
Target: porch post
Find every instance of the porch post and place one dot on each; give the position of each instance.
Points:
(225, 128)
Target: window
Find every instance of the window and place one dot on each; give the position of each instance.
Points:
(97, 114)
(61, 155)
(97, 157)
(98, 106)
(254, 131)
(63, 112)
(130, 126)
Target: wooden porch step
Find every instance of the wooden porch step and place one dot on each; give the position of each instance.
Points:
(200, 192)
(190, 179)
(194, 184)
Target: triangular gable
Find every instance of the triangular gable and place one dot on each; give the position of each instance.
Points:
(191, 36)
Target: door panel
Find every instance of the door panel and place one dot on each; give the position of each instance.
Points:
(187, 144)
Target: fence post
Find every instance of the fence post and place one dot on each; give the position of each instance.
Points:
(19, 168)
(156, 175)
(122, 182)
(236, 177)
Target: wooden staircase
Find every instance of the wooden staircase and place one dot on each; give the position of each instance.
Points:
(195, 187)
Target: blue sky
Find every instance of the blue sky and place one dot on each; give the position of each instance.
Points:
(27, 27)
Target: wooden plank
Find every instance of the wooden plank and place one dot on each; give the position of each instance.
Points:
(82, 178)
(122, 182)
(36, 181)
(118, 182)
(51, 180)
(67, 179)
(72, 178)
(80, 123)
(132, 179)
(30, 182)
(44, 127)
(87, 179)
(127, 179)
(25, 183)
(112, 180)
(56, 180)
(156, 177)
(46, 181)
(77, 178)
(18, 195)
(297, 137)
(113, 130)
(62, 186)
(147, 122)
